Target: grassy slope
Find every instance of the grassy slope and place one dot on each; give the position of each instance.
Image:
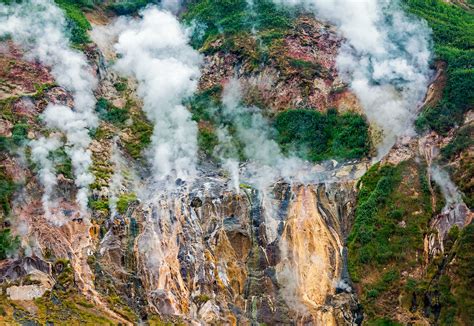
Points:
(458, 155)
(315, 136)
(386, 260)
(325, 136)
(453, 34)
(393, 209)
(232, 17)
(386, 241)
(77, 23)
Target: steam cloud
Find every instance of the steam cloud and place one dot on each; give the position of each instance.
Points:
(252, 128)
(155, 50)
(38, 26)
(385, 59)
(171, 5)
(266, 162)
(449, 190)
(40, 150)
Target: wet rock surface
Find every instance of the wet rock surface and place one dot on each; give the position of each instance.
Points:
(238, 257)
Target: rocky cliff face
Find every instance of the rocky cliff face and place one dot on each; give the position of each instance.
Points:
(217, 256)
(200, 253)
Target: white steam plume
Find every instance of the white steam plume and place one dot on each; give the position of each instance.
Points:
(385, 59)
(171, 5)
(266, 161)
(39, 27)
(252, 128)
(229, 156)
(449, 190)
(116, 180)
(155, 50)
(74, 124)
(40, 150)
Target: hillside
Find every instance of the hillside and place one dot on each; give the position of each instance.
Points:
(236, 162)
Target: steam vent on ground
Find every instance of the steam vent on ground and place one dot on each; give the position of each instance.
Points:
(237, 162)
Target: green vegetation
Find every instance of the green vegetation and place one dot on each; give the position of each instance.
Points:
(85, 4)
(386, 250)
(62, 162)
(391, 218)
(128, 7)
(207, 141)
(18, 137)
(19, 133)
(201, 103)
(448, 282)
(77, 23)
(231, 17)
(308, 70)
(102, 173)
(462, 172)
(201, 299)
(99, 205)
(64, 302)
(453, 33)
(7, 188)
(202, 106)
(110, 113)
(8, 244)
(365, 243)
(124, 201)
(462, 281)
(309, 134)
(141, 131)
(464, 139)
(5, 144)
(121, 86)
(316, 136)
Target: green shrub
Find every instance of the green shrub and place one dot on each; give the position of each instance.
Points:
(5, 144)
(315, 136)
(120, 86)
(124, 201)
(350, 135)
(99, 205)
(207, 141)
(8, 244)
(383, 322)
(309, 70)
(77, 23)
(201, 103)
(303, 132)
(373, 194)
(372, 293)
(141, 131)
(457, 292)
(110, 113)
(7, 189)
(19, 133)
(453, 33)
(230, 17)
(129, 7)
(62, 162)
(463, 139)
(391, 220)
